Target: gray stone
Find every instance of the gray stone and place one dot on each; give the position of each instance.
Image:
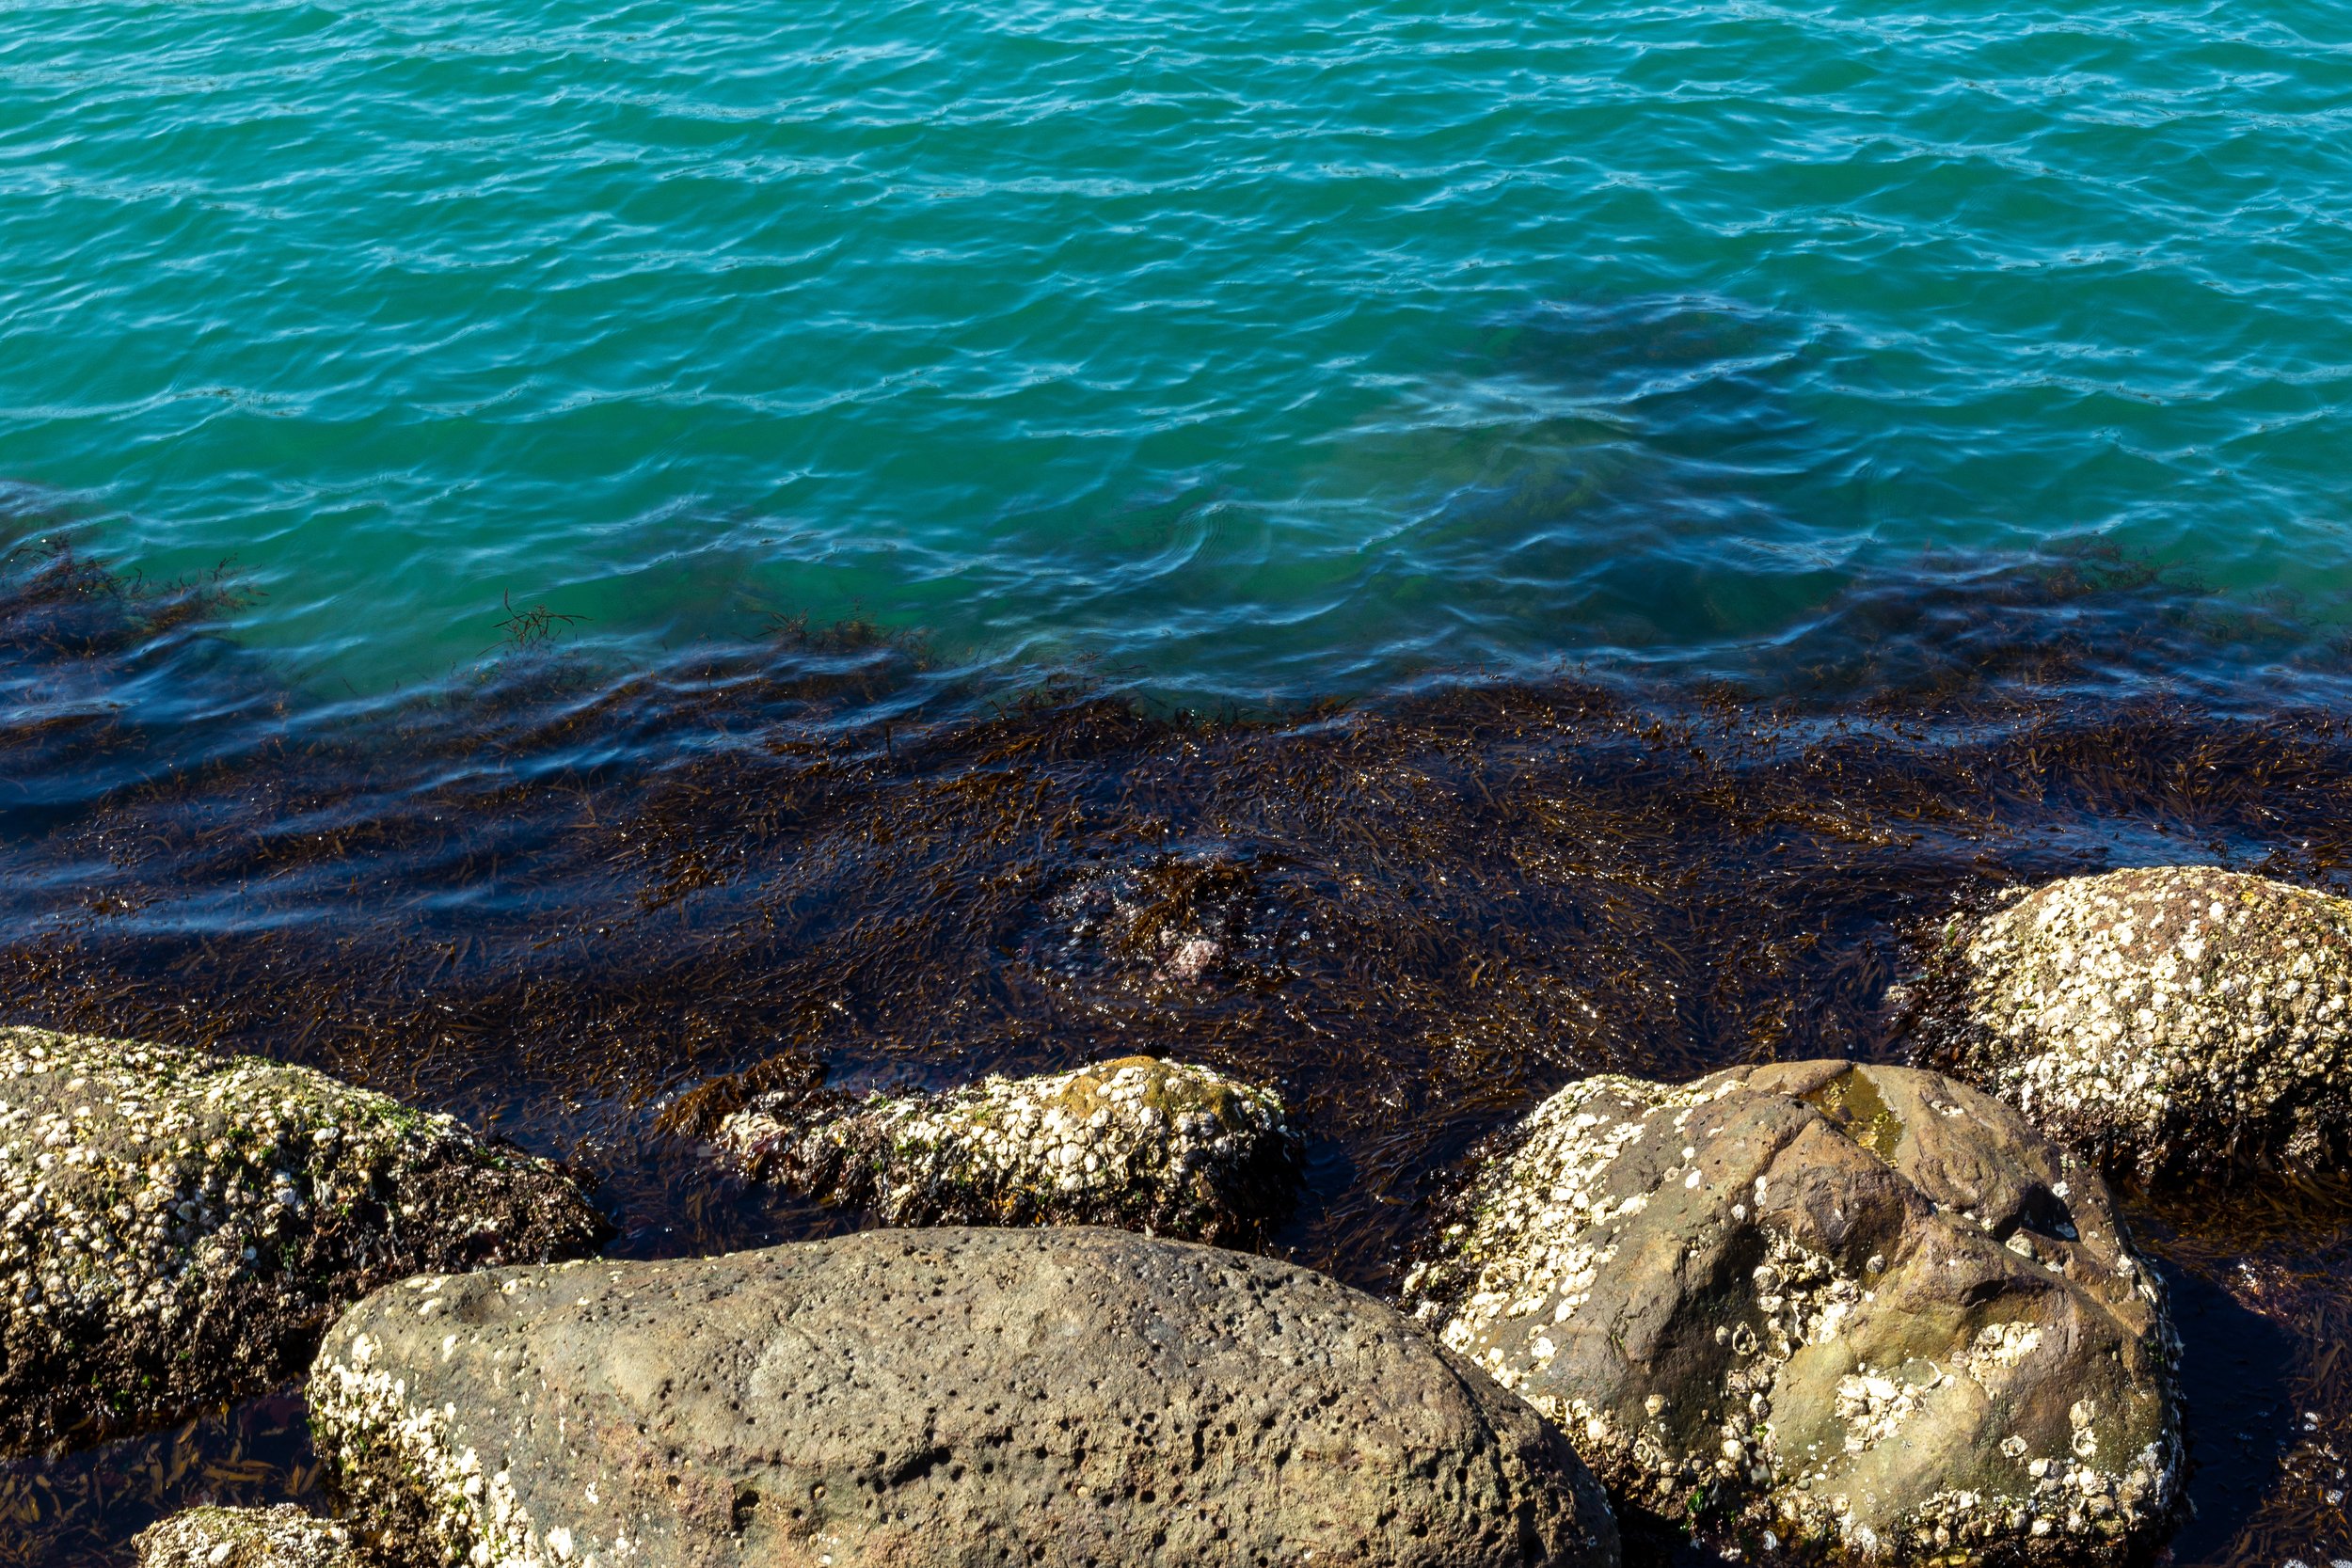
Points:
(2164, 1021)
(1046, 1396)
(281, 1537)
(176, 1229)
(1165, 1147)
(1848, 1312)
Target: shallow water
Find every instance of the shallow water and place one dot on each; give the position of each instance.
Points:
(568, 905)
(1620, 519)
(1259, 350)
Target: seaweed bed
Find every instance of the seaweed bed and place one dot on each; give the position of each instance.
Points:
(588, 911)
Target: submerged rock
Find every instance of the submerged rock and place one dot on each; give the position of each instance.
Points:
(2174, 1018)
(176, 1229)
(1054, 1398)
(1165, 1147)
(1825, 1310)
(281, 1537)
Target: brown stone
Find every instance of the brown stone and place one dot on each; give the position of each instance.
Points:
(1049, 1396)
(1842, 1311)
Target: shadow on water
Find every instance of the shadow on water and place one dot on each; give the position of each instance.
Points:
(2260, 1275)
(1637, 468)
(572, 906)
(2236, 1371)
(1651, 476)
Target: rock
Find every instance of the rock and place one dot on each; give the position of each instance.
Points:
(1837, 1311)
(2169, 1020)
(1049, 1396)
(281, 1537)
(176, 1229)
(1163, 1147)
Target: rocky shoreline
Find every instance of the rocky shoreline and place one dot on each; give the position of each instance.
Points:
(175, 1229)
(1818, 1312)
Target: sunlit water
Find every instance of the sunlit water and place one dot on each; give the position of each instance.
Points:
(1931, 367)
(1262, 349)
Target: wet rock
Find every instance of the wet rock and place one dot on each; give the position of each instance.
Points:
(1053, 1397)
(1171, 921)
(281, 1537)
(1829, 1310)
(177, 1228)
(1159, 1147)
(2167, 1020)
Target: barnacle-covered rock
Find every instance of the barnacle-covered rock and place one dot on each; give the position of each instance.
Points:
(1055, 1398)
(176, 1229)
(214, 1537)
(1165, 1147)
(1830, 1312)
(2166, 1020)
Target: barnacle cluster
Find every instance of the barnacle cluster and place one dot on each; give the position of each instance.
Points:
(431, 1496)
(211, 1536)
(1638, 1269)
(1167, 1148)
(174, 1227)
(2162, 1018)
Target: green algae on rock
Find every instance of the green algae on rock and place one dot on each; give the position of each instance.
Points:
(1054, 1396)
(1165, 1148)
(1833, 1312)
(176, 1229)
(214, 1537)
(2171, 1020)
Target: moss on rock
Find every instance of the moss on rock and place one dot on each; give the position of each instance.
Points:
(1826, 1312)
(176, 1229)
(1165, 1147)
(2163, 1021)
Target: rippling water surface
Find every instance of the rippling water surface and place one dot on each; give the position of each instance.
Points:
(1265, 349)
(1630, 515)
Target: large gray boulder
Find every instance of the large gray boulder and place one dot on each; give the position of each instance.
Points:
(2167, 1020)
(1049, 1396)
(1838, 1311)
(214, 1537)
(176, 1229)
(1168, 1149)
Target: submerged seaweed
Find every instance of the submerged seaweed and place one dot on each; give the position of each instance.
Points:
(568, 906)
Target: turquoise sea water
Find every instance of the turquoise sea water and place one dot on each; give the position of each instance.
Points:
(1265, 349)
(1269, 351)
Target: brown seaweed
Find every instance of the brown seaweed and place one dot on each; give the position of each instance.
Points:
(573, 905)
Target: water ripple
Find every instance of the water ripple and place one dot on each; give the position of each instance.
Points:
(1270, 351)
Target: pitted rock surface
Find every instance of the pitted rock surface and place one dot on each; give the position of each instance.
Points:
(1165, 1148)
(281, 1537)
(176, 1229)
(1831, 1311)
(1049, 1396)
(2168, 1019)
